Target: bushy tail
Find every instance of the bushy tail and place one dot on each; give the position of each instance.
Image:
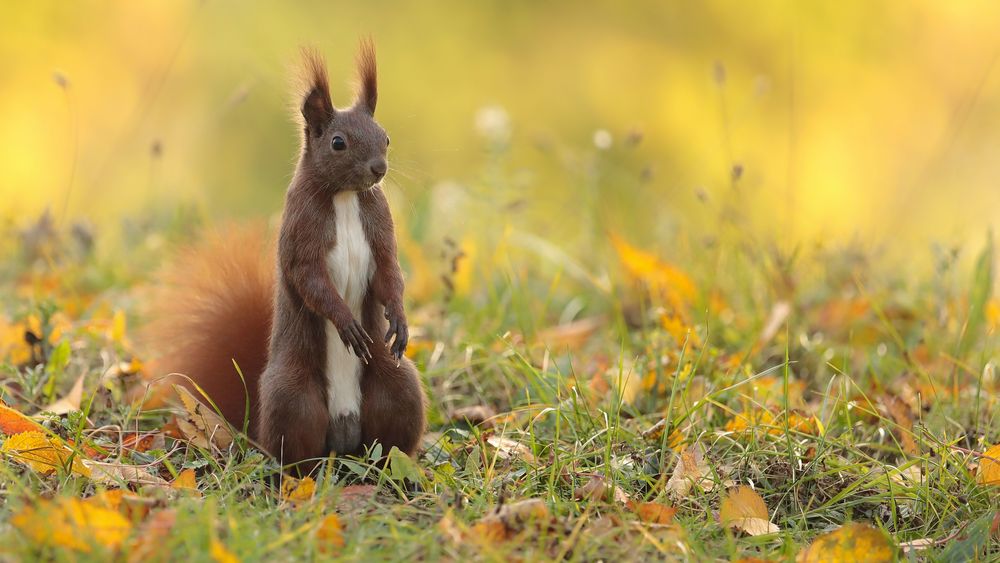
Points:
(211, 307)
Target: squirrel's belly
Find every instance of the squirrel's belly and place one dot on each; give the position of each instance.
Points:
(350, 264)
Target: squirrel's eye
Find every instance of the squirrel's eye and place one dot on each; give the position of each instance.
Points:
(387, 140)
(339, 143)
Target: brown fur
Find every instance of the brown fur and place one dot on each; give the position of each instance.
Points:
(213, 306)
(295, 424)
(218, 314)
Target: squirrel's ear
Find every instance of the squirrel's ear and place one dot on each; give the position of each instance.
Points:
(368, 93)
(317, 107)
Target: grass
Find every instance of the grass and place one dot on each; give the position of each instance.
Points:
(841, 388)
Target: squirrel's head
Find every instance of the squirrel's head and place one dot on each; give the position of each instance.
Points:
(343, 148)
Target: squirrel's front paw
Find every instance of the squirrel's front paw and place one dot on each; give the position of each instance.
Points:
(397, 327)
(355, 338)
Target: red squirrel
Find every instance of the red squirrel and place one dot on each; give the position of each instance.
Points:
(320, 341)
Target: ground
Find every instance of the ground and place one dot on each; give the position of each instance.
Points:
(729, 403)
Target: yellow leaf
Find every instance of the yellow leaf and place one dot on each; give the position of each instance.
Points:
(72, 523)
(852, 542)
(296, 490)
(750, 420)
(42, 453)
(118, 327)
(185, 480)
(330, 535)
(220, 554)
(989, 467)
(664, 280)
(744, 510)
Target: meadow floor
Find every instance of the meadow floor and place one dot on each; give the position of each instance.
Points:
(824, 410)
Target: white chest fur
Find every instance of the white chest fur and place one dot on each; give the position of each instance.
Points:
(351, 269)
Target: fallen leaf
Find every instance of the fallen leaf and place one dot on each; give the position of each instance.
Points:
(148, 542)
(221, 554)
(71, 402)
(744, 510)
(664, 280)
(13, 422)
(989, 467)
(72, 523)
(900, 413)
(851, 542)
(691, 470)
(508, 449)
(597, 488)
(476, 415)
(570, 335)
(298, 490)
(43, 453)
(653, 512)
(509, 520)
(142, 442)
(117, 474)
(329, 535)
(201, 425)
(185, 480)
(779, 312)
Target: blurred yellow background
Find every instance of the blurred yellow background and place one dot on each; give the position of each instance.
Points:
(876, 120)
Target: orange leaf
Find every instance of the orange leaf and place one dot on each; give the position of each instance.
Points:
(185, 480)
(13, 422)
(296, 490)
(330, 535)
(221, 554)
(989, 467)
(653, 512)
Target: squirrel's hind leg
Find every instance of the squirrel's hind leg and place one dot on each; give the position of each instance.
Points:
(294, 421)
(392, 403)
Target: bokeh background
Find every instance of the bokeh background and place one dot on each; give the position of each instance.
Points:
(877, 123)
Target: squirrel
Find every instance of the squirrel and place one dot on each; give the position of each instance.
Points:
(311, 376)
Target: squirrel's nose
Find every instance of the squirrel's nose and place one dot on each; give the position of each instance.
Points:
(378, 167)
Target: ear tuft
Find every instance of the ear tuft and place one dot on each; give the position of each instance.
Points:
(367, 75)
(317, 107)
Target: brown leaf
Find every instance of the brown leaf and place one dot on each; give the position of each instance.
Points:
(508, 449)
(900, 413)
(597, 488)
(744, 510)
(691, 470)
(476, 415)
(115, 474)
(148, 542)
(509, 520)
(570, 335)
(201, 425)
(71, 402)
